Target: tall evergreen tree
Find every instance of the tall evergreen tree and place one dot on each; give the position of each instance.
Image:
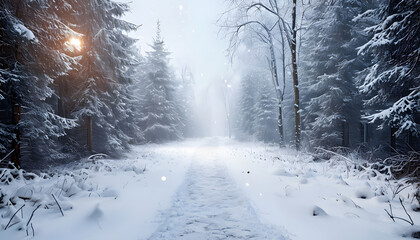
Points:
(33, 60)
(265, 122)
(102, 94)
(186, 100)
(131, 100)
(245, 111)
(330, 63)
(392, 80)
(47, 76)
(256, 109)
(162, 120)
(9, 72)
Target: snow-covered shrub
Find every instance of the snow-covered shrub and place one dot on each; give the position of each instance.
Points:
(404, 165)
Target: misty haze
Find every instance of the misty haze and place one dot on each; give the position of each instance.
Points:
(210, 119)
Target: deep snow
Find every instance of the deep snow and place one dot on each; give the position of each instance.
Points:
(211, 188)
(209, 205)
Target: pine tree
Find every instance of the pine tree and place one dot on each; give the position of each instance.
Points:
(138, 97)
(45, 79)
(103, 79)
(392, 80)
(9, 73)
(256, 114)
(186, 100)
(245, 110)
(131, 99)
(265, 122)
(330, 96)
(34, 59)
(162, 120)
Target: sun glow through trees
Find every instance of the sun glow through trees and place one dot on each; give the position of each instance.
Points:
(75, 43)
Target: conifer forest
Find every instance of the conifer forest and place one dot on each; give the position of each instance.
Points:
(221, 119)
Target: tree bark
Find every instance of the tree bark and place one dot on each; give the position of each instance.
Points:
(61, 104)
(16, 141)
(364, 129)
(16, 107)
(393, 139)
(230, 130)
(89, 133)
(280, 125)
(281, 98)
(295, 77)
(275, 76)
(346, 135)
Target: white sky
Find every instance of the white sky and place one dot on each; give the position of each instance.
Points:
(191, 35)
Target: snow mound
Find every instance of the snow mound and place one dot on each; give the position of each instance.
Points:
(66, 205)
(97, 213)
(317, 211)
(303, 180)
(109, 193)
(382, 199)
(134, 169)
(341, 181)
(25, 192)
(364, 193)
(9, 211)
(284, 173)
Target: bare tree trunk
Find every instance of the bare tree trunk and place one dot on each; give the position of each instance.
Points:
(61, 104)
(346, 136)
(295, 77)
(275, 76)
(283, 59)
(281, 141)
(272, 62)
(89, 133)
(291, 36)
(393, 140)
(227, 107)
(16, 141)
(230, 130)
(276, 80)
(16, 107)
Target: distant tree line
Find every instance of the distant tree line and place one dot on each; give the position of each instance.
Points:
(72, 83)
(255, 112)
(358, 65)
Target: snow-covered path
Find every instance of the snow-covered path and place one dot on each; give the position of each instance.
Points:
(209, 205)
(208, 189)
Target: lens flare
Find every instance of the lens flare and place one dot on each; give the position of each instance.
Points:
(75, 43)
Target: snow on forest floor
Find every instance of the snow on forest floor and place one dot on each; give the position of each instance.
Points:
(211, 188)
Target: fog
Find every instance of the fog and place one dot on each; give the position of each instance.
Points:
(190, 31)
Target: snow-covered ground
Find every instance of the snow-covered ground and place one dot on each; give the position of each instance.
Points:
(211, 188)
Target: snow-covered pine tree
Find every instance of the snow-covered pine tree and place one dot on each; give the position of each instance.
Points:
(162, 120)
(132, 99)
(392, 80)
(139, 95)
(187, 99)
(266, 116)
(256, 109)
(245, 111)
(34, 60)
(9, 73)
(126, 59)
(330, 62)
(103, 78)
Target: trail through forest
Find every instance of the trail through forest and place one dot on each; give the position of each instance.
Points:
(209, 205)
(211, 188)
